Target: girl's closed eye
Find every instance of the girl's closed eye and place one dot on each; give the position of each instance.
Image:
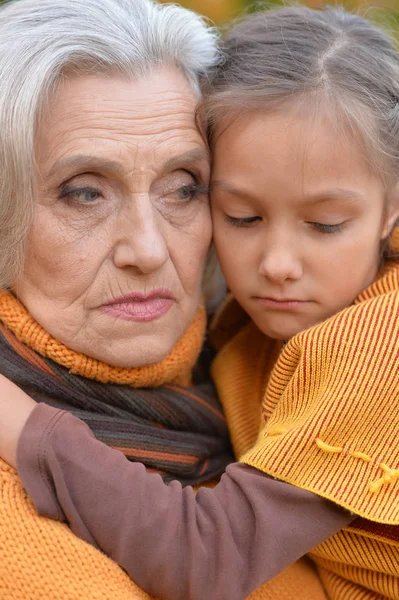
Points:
(241, 221)
(326, 228)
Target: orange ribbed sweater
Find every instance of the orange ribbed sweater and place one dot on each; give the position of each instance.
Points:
(328, 403)
(41, 559)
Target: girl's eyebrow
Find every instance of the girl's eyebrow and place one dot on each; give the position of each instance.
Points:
(334, 194)
(350, 195)
(226, 187)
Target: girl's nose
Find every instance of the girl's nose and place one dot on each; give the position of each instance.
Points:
(281, 263)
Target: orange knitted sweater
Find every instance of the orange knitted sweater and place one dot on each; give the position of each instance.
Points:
(41, 559)
(328, 405)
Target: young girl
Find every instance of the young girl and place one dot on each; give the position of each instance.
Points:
(303, 117)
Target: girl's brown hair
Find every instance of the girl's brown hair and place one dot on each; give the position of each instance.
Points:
(315, 58)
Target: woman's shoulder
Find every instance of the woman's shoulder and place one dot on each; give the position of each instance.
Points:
(9, 480)
(5, 469)
(41, 558)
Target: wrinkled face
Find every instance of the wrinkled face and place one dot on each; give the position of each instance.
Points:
(298, 219)
(122, 226)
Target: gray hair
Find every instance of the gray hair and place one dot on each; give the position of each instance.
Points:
(298, 56)
(42, 39)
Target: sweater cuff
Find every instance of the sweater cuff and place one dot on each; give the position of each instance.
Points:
(31, 459)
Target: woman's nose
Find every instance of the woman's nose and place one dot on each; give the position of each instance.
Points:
(281, 263)
(141, 242)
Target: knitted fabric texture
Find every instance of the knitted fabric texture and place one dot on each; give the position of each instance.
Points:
(41, 559)
(329, 414)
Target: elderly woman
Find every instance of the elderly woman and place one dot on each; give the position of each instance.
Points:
(105, 231)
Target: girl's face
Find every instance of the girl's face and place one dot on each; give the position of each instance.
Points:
(298, 219)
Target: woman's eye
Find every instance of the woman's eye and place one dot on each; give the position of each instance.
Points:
(324, 228)
(84, 195)
(190, 191)
(241, 221)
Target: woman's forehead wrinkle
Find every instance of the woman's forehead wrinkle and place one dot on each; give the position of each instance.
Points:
(135, 116)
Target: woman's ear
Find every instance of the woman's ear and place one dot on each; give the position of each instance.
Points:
(392, 211)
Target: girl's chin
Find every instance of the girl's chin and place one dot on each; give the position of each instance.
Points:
(281, 331)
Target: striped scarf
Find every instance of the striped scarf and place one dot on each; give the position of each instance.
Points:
(177, 431)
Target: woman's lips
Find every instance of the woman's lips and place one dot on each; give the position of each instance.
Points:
(140, 307)
(284, 305)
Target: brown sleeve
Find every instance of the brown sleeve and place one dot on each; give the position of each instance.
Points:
(219, 544)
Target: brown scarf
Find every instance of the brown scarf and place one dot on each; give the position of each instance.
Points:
(180, 432)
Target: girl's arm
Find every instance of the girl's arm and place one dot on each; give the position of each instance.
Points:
(222, 543)
(15, 408)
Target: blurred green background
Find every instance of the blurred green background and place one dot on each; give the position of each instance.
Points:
(222, 11)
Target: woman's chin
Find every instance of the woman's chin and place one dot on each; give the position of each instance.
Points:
(130, 354)
(133, 359)
(128, 344)
(118, 342)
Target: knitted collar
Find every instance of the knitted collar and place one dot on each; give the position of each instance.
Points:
(387, 281)
(176, 367)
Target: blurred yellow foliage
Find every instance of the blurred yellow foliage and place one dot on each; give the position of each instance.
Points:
(218, 11)
(221, 11)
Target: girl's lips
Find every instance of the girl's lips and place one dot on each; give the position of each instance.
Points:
(140, 307)
(284, 305)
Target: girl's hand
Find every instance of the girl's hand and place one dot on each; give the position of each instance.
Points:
(15, 408)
